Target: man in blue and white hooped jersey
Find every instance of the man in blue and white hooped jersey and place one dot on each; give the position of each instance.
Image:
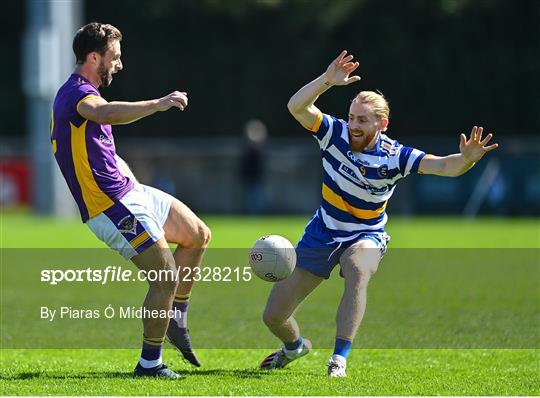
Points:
(361, 167)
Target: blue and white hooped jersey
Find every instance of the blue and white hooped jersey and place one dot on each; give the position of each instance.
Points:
(356, 186)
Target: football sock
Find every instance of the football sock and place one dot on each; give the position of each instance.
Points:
(151, 352)
(342, 347)
(294, 345)
(180, 305)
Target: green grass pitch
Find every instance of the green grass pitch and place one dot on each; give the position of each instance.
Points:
(408, 344)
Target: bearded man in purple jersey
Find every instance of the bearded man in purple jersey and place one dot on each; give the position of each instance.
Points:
(136, 220)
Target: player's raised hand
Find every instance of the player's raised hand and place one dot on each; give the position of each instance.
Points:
(175, 99)
(337, 73)
(475, 147)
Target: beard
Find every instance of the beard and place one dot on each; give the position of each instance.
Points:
(104, 75)
(358, 144)
(363, 141)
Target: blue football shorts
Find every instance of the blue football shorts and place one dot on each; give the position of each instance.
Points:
(320, 248)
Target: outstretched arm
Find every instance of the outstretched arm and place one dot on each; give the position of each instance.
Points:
(302, 104)
(100, 111)
(471, 151)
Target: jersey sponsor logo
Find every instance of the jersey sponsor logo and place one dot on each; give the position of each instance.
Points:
(354, 159)
(127, 226)
(349, 173)
(374, 190)
(106, 140)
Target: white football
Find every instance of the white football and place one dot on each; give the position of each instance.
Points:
(272, 258)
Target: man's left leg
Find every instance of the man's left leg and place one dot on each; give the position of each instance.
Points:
(192, 236)
(358, 263)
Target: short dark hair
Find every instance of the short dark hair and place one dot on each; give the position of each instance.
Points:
(92, 37)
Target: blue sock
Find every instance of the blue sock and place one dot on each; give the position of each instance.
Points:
(294, 345)
(342, 347)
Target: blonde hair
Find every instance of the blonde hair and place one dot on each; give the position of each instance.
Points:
(376, 100)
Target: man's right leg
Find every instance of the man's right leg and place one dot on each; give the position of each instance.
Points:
(284, 298)
(192, 236)
(358, 263)
(159, 297)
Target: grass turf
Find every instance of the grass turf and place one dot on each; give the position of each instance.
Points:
(23, 231)
(403, 304)
(232, 372)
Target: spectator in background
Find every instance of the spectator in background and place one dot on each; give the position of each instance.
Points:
(252, 172)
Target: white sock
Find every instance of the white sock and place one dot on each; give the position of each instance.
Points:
(150, 364)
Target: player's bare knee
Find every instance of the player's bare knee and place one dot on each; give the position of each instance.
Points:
(166, 286)
(164, 280)
(360, 262)
(205, 234)
(272, 318)
(357, 273)
(199, 238)
(361, 273)
(202, 237)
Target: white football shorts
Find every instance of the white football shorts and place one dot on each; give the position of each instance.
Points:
(134, 222)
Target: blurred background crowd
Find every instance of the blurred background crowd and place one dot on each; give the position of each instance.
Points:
(444, 65)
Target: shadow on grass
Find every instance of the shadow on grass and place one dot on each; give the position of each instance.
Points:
(82, 375)
(248, 373)
(236, 373)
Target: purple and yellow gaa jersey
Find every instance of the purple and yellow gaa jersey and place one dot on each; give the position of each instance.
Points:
(85, 151)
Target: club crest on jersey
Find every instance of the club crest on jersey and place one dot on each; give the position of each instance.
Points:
(382, 171)
(349, 173)
(127, 226)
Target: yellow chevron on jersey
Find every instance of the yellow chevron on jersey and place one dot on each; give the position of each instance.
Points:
(357, 185)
